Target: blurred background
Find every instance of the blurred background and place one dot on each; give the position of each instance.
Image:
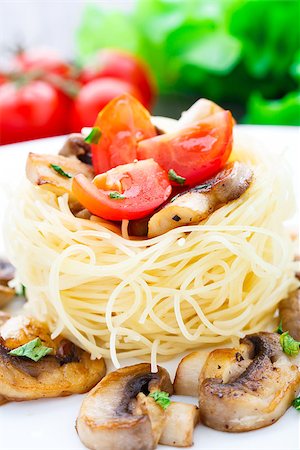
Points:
(62, 61)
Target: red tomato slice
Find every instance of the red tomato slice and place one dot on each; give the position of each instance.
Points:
(196, 152)
(131, 191)
(123, 123)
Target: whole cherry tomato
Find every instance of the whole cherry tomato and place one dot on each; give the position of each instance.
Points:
(94, 96)
(30, 111)
(45, 60)
(122, 65)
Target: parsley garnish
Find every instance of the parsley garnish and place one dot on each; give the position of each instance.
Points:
(289, 345)
(174, 177)
(34, 350)
(296, 403)
(162, 398)
(59, 170)
(21, 291)
(94, 136)
(279, 329)
(116, 195)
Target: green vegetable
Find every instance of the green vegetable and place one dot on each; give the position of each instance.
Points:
(162, 398)
(59, 170)
(224, 50)
(174, 177)
(34, 350)
(94, 136)
(116, 195)
(296, 403)
(289, 345)
(21, 291)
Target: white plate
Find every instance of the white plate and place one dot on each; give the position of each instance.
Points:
(49, 424)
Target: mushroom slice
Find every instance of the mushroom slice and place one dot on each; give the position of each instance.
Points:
(257, 397)
(108, 417)
(188, 371)
(289, 311)
(67, 370)
(193, 206)
(157, 415)
(40, 172)
(180, 421)
(7, 273)
(76, 146)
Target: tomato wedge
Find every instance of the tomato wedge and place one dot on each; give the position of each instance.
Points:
(123, 123)
(196, 152)
(130, 191)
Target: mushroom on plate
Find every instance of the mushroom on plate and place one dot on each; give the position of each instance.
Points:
(180, 421)
(76, 147)
(254, 397)
(7, 273)
(110, 418)
(33, 365)
(289, 311)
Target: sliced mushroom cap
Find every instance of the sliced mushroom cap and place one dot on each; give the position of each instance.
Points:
(108, 419)
(193, 206)
(76, 146)
(7, 273)
(180, 421)
(257, 397)
(67, 370)
(289, 311)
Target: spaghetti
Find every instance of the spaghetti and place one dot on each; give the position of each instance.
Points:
(195, 285)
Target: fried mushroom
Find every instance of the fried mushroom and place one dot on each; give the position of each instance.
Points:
(289, 312)
(7, 273)
(76, 147)
(259, 395)
(67, 370)
(109, 417)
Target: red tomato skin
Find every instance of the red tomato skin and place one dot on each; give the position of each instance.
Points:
(29, 112)
(44, 59)
(94, 96)
(196, 152)
(148, 188)
(124, 66)
(123, 123)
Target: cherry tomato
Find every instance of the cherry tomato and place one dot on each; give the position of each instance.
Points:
(196, 152)
(94, 96)
(30, 111)
(123, 123)
(130, 191)
(122, 65)
(42, 59)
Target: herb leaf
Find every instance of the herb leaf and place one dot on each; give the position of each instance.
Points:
(34, 350)
(59, 170)
(296, 403)
(116, 195)
(94, 136)
(289, 345)
(173, 176)
(162, 398)
(279, 329)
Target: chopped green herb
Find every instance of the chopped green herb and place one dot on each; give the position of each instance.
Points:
(289, 345)
(34, 350)
(116, 195)
(162, 398)
(296, 403)
(59, 170)
(279, 329)
(21, 291)
(94, 136)
(174, 177)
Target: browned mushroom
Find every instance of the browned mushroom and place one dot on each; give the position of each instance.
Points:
(67, 370)
(7, 273)
(289, 311)
(259, 395)
(193, 206)
(76, 146)
(109, 418)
